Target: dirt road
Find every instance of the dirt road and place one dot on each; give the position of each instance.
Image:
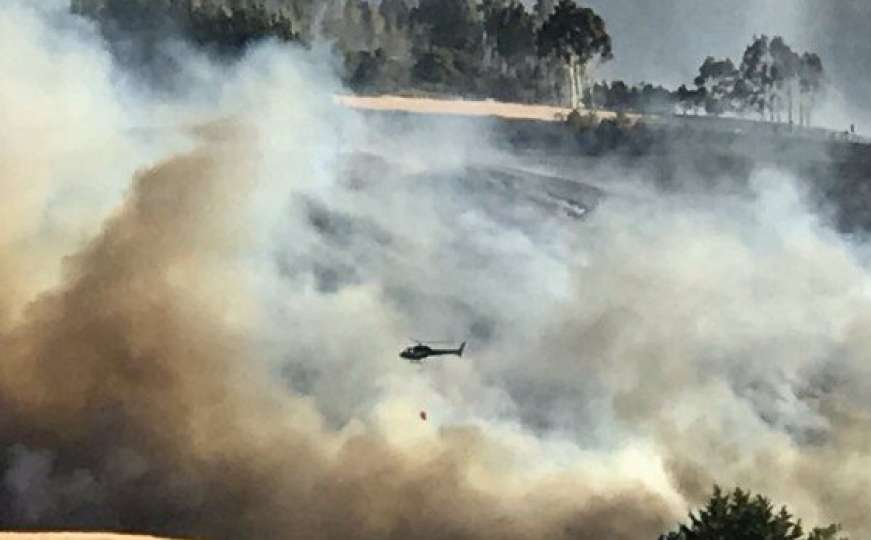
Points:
(455, 106)
(464, 107)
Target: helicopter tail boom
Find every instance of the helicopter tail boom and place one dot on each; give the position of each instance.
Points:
(443, 352)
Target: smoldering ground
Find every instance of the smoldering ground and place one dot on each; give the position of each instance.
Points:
(209, 348)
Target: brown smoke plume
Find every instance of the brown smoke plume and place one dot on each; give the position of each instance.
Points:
(624, 365)
(157, 418)
(133, 397)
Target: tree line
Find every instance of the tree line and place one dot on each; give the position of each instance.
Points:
(479, 48)
(476, 48)
(771, 78)
(772, 81)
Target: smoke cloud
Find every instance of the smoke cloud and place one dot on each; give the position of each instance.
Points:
(203, 298)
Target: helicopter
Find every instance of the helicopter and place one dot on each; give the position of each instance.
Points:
(416, 353)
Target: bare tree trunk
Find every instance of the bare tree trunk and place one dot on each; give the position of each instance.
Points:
(801, 109)
(810, 108)
(772, 106)
(572, 84)
(789, 101)
(804, 119)
(779, 114)
(571, 72)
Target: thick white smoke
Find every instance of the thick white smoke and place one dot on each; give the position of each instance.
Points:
(235, 310)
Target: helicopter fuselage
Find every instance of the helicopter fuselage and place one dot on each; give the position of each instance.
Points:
(419, 352)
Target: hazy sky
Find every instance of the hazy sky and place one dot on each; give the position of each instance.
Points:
(665, 41)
